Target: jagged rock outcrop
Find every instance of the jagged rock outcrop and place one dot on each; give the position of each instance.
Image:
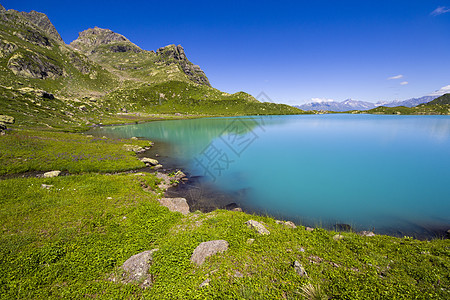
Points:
(35, 38)
(34, 65)
(6, 48)
(91, 38)
(172, 53)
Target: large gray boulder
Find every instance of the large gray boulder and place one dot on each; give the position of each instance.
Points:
(135, 269)
(207, 249)
(258, 227)
(175, 204)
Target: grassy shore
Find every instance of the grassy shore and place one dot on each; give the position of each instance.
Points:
(65, 237)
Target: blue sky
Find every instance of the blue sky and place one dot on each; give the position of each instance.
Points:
(294, 51)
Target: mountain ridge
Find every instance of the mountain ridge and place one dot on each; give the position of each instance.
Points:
(349, 104)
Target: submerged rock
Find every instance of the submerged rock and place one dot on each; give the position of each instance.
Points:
(343, 227)
(207, 249)
(231, 206)
(175, 204)
(258, 227)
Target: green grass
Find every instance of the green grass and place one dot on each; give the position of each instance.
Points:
(181, 97)
(29, 150)
(422, 109)
(66, 239)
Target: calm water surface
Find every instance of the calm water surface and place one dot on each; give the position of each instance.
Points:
(390, 173)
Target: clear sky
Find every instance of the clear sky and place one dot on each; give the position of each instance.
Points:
(294, 51)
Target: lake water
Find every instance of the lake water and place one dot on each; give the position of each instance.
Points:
(387, 173)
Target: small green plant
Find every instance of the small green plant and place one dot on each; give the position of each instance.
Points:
(313, 292)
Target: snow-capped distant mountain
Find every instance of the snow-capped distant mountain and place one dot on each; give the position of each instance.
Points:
(345, 105)
(350, 104)
(408, 103)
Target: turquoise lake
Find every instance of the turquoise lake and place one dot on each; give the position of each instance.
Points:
(387, 173)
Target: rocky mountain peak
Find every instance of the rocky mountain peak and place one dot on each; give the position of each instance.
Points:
(94, 37)
(42, 22)
(176, 53)
(172, 51)
(2, 9)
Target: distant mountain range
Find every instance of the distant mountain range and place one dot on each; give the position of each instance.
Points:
(350, 104)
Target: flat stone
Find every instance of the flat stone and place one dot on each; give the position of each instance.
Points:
(7, 119)
(134, 148)
(150, 161)
(157, 167)
(338, 237)
(207, 249)
(366, 233)
(298, 268)
(290, 224)
(205, 283)
(258, 227)
(136, 268)
(238, 274)
(51, 174)
(175, 204)
(287, 223)
(46, 186)
(309, 229)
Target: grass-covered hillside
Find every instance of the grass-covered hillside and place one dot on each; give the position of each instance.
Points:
(102, 77)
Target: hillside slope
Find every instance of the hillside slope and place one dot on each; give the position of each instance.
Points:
(439, 106)
(102, 77)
